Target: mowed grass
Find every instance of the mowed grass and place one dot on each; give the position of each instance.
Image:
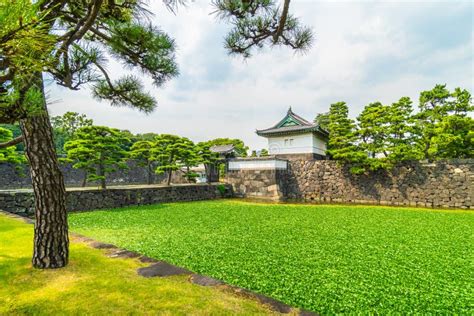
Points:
(94, 284)
(329, 259)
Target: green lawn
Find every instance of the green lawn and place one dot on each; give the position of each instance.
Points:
(329, 259)
(93, 284)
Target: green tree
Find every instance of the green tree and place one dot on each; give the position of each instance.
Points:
(69, 41)
(9, 154)
(444, 124)
(322, 119)
(373, 123)
(342, 138)
(98, 151)
(64, 127)
(172, 153)
(401, 140)
(141, 151)
(208, 158)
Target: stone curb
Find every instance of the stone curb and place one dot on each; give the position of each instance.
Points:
(160, 268)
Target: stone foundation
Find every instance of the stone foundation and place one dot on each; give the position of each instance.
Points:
(22, 201)
(441, 184)
(257, 183)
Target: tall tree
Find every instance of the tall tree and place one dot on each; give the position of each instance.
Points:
(322, 119)
(373, 123)
(141, 152)
(69, 40)
(98, 151)
(401, 140)
(64, 127)
(342, 140)
(432, 108)
(208, 158)
(452, 135)
(172, 153)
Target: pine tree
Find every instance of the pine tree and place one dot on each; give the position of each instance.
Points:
(98, 151)
(342, 138)
(443, 123)
(64, 127)
(141, 152)
(70, 42)
(208, 158)
(172, 153)
(401, 141)
(373, 124)
(322, 119)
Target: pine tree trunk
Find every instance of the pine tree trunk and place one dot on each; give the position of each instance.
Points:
(150, 174)
(84, 180)
(170, 173)
(101, 173)
(51, 242)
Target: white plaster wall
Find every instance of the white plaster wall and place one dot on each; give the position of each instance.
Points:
(257, 164)
(302, 144)
(319, 145)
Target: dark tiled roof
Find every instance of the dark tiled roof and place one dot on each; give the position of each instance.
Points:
(222, 149)
(302, 126)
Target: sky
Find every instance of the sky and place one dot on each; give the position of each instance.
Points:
(363, 52)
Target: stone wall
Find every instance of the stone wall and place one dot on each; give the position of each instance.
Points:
(22, 201)
(12, 178)
(257, 183)
(447, 184)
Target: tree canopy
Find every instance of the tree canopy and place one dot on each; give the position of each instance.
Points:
(64, 127)
(172, 153)
(98, 151)
(385, 135)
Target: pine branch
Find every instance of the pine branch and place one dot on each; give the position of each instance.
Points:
(282, 22)
(12, 142)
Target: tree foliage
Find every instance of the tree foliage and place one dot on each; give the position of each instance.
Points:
(9, 154)
(141, 152)
(257, 23)
(64, 127)
(172, 153)
(385, 135)
(98, 151)
(444, 125)
(322, 119)
(208, 158)
(342, 141)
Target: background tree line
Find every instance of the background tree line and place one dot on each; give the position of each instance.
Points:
(383, 135)
(100, 150)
